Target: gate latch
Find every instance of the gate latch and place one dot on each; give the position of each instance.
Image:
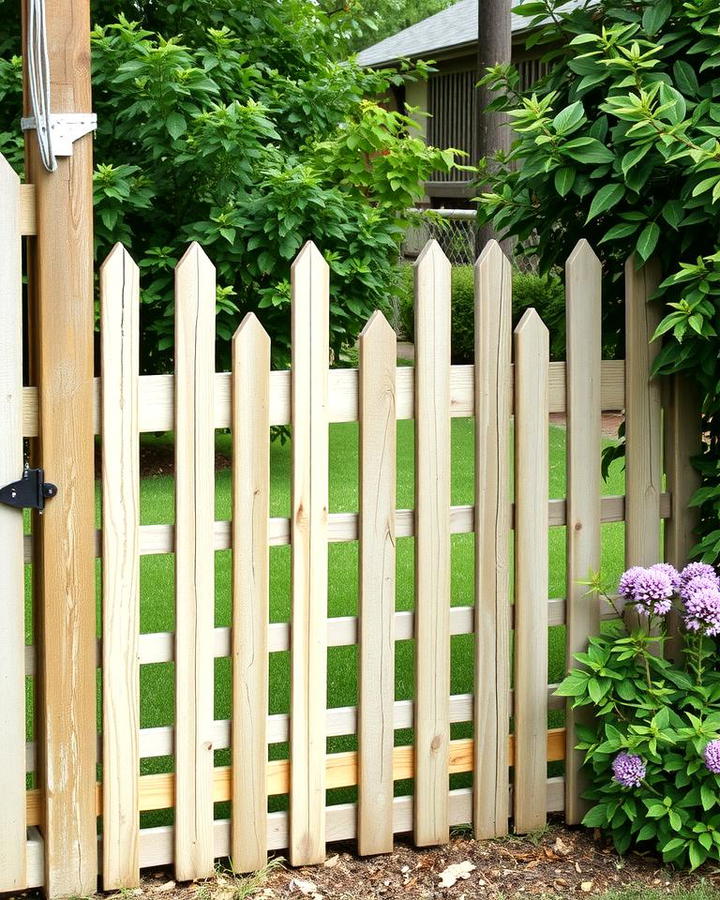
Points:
(30, 492)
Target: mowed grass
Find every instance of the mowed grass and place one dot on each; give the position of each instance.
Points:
(157, 581)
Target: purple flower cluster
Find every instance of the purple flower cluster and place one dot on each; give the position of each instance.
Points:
(700, 595)
(651, 590)
(629, 769)
(712, 757)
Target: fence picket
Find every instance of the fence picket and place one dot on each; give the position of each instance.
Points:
(120, 335)
(493, 405)
(531, 572)
(376, 618)
(194, 563)
(643, 417)
(432, 545)
(583, 279)
(251, 597)
(310, 349)
(12, 625)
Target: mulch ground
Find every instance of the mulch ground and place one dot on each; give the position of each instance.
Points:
(560, 862)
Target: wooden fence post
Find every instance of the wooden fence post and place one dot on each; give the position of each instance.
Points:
(12, 623)
(251, 592)
(376, 613)
(584, 441)
(120, 322)
(62, 319)
(531, 572)
(643, 419)
(194, 563)
(493, 480)
(310, 352)
(432, 546)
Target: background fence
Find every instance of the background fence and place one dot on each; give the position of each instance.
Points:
(510, 518)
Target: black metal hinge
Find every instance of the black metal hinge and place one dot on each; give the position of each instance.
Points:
(30, 492)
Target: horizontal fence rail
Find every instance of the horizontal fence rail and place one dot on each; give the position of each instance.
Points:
(512, 507)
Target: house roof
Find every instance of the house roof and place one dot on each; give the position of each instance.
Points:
(450, 29)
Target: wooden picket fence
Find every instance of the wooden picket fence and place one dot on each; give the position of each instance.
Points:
(511, 380)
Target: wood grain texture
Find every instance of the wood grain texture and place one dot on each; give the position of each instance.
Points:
(28, 226)
(376, 615)
(309, 526)
(643, 417)
(583, 280)
(432, 545)
(493, 479)
(157, 392)
(251, 592)
(61, 313)
(531, 571)
(194, 563)
(120, 344)
(12, 623)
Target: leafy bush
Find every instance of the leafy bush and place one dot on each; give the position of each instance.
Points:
(242, 133)
(619, 144)
(544, 292)
(654, 751)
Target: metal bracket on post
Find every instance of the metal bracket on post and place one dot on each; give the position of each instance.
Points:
(30, 492)
(66, 128)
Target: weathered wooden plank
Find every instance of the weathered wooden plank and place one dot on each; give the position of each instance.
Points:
(583, 280)
(120, 341)
(432, 545)
(12, 623)
(493, 479)
(28, 225)
(194, 562)
(531, 571)
(251, 592)
(376, 619)
(643, 417)
(310, 349)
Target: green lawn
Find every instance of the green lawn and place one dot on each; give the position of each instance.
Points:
(157, 604)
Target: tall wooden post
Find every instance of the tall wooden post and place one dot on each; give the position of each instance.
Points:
(61, 278)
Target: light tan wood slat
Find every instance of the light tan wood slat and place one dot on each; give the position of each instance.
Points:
(156, 843)
(583, 279)
(432, 545)
(194, 562)
(376, 620)
(643, 417)
(28, 225)
(682, 426)
(493, 478)
(251, 592)
(310, 348)
(531, 571)
(120, 341)
(12, 622)
(156, 396)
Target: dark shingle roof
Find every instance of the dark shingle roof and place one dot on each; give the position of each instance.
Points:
(451, 28)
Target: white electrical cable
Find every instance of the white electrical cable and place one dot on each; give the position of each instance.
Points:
(38, 67)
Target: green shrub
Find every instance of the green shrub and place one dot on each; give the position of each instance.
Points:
(543, 292)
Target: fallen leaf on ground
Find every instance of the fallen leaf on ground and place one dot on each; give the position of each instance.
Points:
(163, 888)
(449, 876)
(305, 887)
(331, 862)
(586, 886)
(561, 848)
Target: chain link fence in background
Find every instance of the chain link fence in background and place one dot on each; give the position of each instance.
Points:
(454, 230)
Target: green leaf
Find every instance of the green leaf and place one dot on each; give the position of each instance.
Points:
(707, 796)
(608, 196)
(596, 817)
(587, 150)
(568, 119)
(564, 180)
(656, 14)
(176, 125)
(685, 78)
(647, 241)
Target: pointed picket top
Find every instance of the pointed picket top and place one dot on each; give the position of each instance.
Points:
(531, 323)
(118, 261)
(250, 331)
(8, 175)
(377, 327)
(307, 259)
(491, 253)
(194, 257)
(583, 253)
(432, 251)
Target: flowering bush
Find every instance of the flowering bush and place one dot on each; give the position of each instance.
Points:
(654, 747)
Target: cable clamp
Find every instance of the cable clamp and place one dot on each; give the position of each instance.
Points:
(66, 128)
